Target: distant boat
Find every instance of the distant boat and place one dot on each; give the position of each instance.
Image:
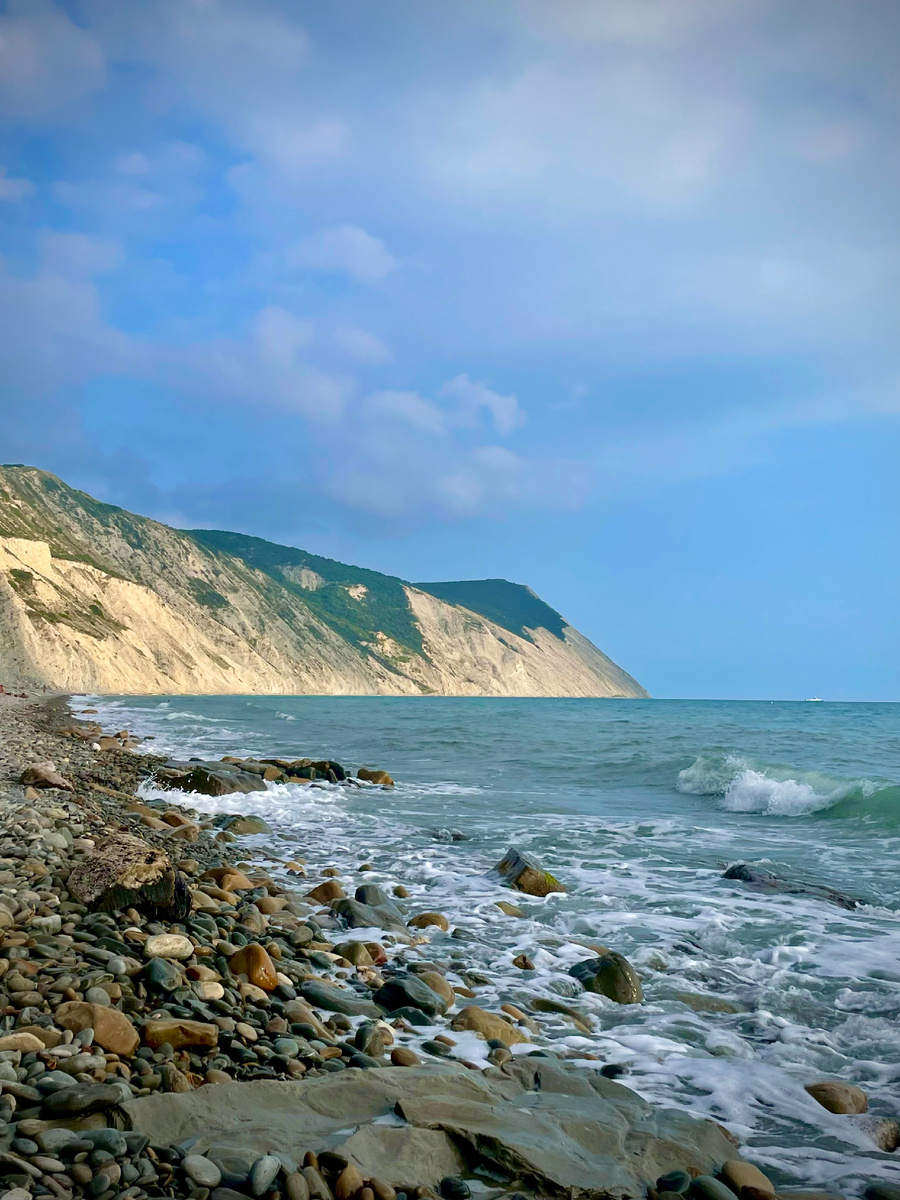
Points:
(814, 700)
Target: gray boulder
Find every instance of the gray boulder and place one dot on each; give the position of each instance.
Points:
(364, 916)
(554, 1130)
(404, 991)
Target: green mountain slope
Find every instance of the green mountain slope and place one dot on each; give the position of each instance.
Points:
(512, 606)
(384, 607)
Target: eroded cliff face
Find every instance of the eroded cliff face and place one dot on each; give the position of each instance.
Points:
(94, 599)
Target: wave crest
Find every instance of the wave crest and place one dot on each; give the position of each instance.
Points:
(744, 785)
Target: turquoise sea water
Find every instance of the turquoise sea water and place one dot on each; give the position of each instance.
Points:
(638, 806)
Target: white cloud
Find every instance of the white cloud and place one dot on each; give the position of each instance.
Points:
(78, 255)
(346, 248)
(138, 184)
(405, 408)
(47, 63)
(654, 24)
(265, 369)
(54, 333)
(241, 63)
(14, 189)
(361, 345)
(279, 336)
(472, 397)
(584, 134)
(291, 146)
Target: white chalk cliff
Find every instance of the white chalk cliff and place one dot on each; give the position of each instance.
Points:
(96, 599)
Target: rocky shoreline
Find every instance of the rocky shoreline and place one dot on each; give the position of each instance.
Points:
(238, 1037)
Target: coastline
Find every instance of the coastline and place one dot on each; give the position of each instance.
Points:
(256, 1006)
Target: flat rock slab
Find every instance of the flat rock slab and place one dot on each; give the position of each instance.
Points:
(548, 1128)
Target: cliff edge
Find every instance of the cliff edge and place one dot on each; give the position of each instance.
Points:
(97, 599)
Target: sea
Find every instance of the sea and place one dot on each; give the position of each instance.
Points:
(638, 807)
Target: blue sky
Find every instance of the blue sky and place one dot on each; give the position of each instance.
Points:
(596, 295)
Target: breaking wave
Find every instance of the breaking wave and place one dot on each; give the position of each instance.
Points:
(744, 785)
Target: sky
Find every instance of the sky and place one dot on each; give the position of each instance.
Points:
(599, 296)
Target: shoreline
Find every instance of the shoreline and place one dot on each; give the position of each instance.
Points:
(286, 997)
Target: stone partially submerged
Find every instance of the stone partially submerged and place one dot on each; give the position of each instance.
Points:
(520, 873)
(537, 1125)
(126, 872)
(611, 975)
(767, 881)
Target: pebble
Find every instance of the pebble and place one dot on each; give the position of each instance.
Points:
(675, 1181)
(168, 945)
(263, 1173)
(202, 1170)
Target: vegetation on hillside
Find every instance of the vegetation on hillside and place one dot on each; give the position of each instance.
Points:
(357, 615)
(512, 606)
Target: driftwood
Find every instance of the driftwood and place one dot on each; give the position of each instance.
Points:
(126, 872)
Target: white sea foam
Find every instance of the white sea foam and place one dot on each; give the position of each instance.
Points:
(744, 786)
(752, 791)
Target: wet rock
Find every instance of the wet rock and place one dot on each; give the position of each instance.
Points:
(112, 1029)
(355, 953)
(839, 1097)
(611, 975)
(705, 1187)
(402, 1056)
(426, 919)
(739, 1174)
(454, 1188)
(375, 776)
(253, 961)
(674, 1181)
(402, 991)
(209, 779)
(363, 916)
(763, 880)
(882, 1191)
(296, 1187)
(376, 897)
(488, 1025)
(439, 984)
(325, 892)
(520, 873)
(242, 826)
(523, 962)
(348, 1183)
(162, 975)
(335, 999)
(883, 1131)
(179, 1033)
(545, 1005)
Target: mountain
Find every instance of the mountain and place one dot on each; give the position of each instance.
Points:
(97, 599)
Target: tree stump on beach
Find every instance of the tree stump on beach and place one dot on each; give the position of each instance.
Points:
(126, 872)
